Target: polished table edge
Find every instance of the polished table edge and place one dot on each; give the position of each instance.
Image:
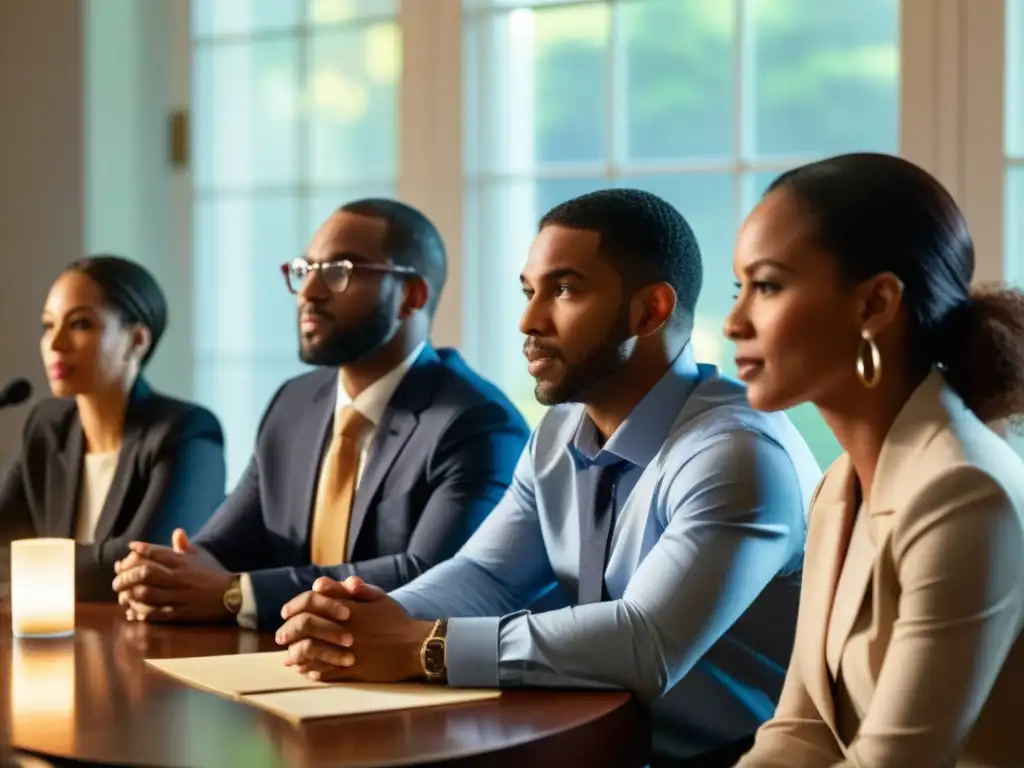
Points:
(620, 727)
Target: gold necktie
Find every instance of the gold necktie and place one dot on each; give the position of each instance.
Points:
(337, 489)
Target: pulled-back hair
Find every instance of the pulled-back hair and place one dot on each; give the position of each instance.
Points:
(878, 213)
(130, 290)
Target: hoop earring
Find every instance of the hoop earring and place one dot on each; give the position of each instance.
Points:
(876, 361)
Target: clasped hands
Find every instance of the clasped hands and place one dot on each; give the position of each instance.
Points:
(351, 631)
(177, 583)
(336, 631)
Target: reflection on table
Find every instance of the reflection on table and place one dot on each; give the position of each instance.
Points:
(93, 698)
(42, 675)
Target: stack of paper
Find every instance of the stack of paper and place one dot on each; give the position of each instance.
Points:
(262, 679)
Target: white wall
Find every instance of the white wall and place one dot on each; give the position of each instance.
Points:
(41, 177)
(40, 191)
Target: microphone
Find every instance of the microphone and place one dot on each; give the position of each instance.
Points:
(15, 393)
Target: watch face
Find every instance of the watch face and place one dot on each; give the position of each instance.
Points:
(233, 598)
(433, 657)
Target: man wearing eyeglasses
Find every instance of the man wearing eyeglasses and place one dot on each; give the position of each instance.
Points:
(379, 464)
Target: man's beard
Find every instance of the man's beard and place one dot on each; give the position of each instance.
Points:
(347, 347)
(598, 364)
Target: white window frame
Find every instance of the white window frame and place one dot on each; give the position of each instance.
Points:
(430, 139)
(954, 63)
(1014, 91)
(951, 122)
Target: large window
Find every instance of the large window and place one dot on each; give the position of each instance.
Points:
(294, 105)
(700, 101)
(1014, 207)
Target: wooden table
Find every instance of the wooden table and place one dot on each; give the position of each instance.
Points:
(92, 698)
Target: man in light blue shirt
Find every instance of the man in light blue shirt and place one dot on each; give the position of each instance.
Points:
(652, 502)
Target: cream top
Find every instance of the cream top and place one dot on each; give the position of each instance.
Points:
(97, 474)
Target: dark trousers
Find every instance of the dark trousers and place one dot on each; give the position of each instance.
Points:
(724, 757)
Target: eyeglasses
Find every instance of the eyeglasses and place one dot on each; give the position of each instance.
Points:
(334, 274)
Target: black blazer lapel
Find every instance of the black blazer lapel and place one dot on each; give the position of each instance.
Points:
(415, 393)
(64, 485)
(73, 457)
(136, 421)
(311, 439)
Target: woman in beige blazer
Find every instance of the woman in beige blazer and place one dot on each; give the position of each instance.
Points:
(854, 293)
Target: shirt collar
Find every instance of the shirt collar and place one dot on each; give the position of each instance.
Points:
(373, 401)
(639, 438)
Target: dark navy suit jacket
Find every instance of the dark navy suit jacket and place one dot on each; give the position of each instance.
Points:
(170, 474)
(441, 458)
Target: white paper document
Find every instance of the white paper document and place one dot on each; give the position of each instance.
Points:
(362, 698)
(236, 674)
(262, 680)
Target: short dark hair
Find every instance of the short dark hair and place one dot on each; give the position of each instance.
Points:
(878, 213)
(411, 241)
(644, 236)
(130, 290)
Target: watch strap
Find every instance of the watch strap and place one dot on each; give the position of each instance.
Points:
(433, 653)
(233, 595)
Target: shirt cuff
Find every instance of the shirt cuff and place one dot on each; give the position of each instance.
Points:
(471, 652)
(247, 613)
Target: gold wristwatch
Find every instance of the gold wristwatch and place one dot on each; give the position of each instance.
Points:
(432, 653)
(233, 595)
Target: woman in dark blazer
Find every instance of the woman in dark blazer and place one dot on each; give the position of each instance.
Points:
(108, 460)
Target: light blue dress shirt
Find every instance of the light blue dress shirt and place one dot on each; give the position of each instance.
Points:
(703, 570)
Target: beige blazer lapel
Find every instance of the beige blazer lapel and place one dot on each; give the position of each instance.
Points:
(913, 428)
(905, 439)
(848, 600)
(866, 538)
(831, 520)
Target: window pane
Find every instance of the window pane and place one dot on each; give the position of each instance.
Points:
(233, 17)
(826, 76)
(246, 98)
(327, 12)
(499, 4)
(237, 389)
(544, 85)
(1014, 217)
(242, 305)
(353, 96)
(816, 432)
(754, 186)
(1015, 78)
(540, 92)
(326, 201)
(678, 96)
